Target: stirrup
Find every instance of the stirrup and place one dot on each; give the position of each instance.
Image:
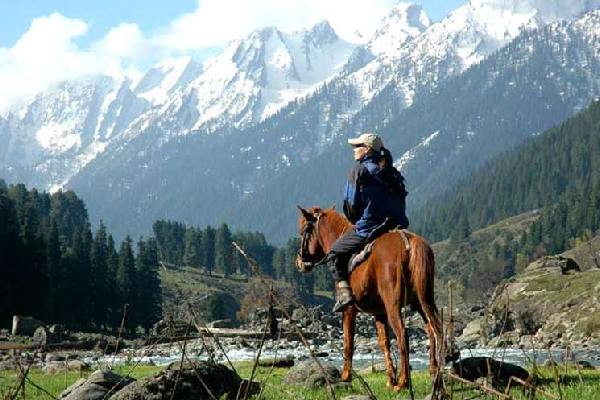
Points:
(344, 297)
(341, 305)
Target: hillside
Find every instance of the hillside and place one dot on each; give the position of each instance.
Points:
(551, 300)
(217, 297)
(561, 164)
(476, 264)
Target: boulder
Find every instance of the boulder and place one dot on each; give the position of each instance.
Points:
(499, 372)
(585, 365)
(96, 387)
(310, 375)
(286, 362)
(25, 326)
(185, 381)
(220, 323)
(54, 367)
(555, 264)
(472, 333)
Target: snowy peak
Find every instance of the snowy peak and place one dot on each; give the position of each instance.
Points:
(542, 12)
(320, 35)
(162, 80)
(256, 76)
(405, 21)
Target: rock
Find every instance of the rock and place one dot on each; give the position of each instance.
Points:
(472, 333)
(298, 314)
(557, 264)
(585, 364)
(52, 357)
(379, 367)
(187, 381)
(220, 323)
(310, 375)
(40, 337)
(25, 326)
(54, 367)
(96, 387)
(357, 397)
(474, 368)
(550, 363)
(7, 365)
(277, 362)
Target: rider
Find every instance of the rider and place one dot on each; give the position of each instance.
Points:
(374, 194)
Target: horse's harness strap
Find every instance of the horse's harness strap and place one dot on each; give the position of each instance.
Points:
(404, 236)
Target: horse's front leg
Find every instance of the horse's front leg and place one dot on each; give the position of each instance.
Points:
(348, 323)
(384, 342)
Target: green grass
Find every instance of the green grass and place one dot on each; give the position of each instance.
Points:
(56, 383)
(274, 389)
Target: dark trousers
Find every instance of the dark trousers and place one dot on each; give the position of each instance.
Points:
(341, 251)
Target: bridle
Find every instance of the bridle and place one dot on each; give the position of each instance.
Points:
(310, 228)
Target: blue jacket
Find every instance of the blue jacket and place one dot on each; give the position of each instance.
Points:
(373, 194)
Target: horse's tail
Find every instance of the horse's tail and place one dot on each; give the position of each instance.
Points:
(422, 271)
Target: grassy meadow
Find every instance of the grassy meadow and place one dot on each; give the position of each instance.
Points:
(571, 386)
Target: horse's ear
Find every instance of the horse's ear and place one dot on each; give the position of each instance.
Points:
(332, 207)
(307, 214)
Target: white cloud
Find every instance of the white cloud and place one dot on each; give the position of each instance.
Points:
(216, 22)
(48, 53)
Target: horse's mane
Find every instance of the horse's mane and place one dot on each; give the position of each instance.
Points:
(336, 221)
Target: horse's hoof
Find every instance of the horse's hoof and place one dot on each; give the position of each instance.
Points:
(390, 384)
(400, 386)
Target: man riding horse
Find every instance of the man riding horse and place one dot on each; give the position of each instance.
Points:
(374, 196)
(398, 270)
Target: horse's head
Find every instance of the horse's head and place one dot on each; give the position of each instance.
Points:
(311, 252)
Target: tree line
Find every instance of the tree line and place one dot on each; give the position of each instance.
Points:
(211, 249)
(54, 268)
(557, 172)
(565, 159)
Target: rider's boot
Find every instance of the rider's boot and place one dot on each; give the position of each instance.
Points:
(343, 296)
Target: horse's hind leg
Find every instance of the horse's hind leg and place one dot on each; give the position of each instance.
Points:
(433, 341)
(348, 323)
(395, 321)
(384, 342)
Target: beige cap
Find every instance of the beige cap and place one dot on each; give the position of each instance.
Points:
(368, 139)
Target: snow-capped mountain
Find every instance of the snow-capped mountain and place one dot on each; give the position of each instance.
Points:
(60, 131)
(271, 106)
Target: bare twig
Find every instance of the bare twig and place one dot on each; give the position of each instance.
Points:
(203, 330)
(482, 388)
(254, 265)
(125, 306)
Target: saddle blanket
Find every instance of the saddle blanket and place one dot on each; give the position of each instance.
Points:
(364, 254)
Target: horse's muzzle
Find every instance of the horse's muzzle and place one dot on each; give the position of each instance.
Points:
(304, 266)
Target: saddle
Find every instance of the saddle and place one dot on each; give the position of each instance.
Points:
(387, 226)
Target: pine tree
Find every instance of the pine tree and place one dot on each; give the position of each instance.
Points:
(192, 255)
(112, 289)
(149, 294)
(126, 277)
(208, 244)
(223, 251)
(99, 276)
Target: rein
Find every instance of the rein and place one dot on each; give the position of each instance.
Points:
(307, 232)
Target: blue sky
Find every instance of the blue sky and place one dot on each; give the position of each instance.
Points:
(43, 42)
(150, 15)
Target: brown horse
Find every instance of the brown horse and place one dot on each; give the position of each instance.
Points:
(392, 277)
